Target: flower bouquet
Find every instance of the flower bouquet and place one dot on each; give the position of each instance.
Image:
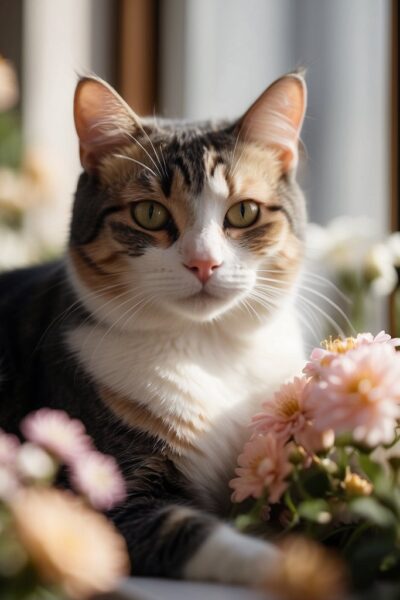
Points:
(323, 459)
(53, 543)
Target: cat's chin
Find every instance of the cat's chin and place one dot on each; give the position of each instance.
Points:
(202, 307)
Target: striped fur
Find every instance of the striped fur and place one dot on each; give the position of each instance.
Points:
(164, 369)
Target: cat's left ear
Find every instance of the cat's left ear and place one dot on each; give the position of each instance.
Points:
(276, 117)
(103, 120)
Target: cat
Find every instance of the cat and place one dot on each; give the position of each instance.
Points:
(171, 316)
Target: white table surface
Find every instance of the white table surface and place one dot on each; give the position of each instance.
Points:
(143, 588)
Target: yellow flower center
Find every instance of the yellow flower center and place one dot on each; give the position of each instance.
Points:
(339, 345)
(356, 485)
(288, 406)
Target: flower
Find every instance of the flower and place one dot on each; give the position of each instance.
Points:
(70, 545)
(8, 85)
(9, 483)
(393, 244)
(35, 463)
(9, 445)
(321, 358)
(264, 464)
(343, 244)
(307, 570)
(355, 485)
(379, 270)
(59, 434)
(289, 415)
(360, 394)
(97, 476)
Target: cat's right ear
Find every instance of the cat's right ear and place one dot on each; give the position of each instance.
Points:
(103, 120)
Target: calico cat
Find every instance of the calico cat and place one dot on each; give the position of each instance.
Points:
(171, 317)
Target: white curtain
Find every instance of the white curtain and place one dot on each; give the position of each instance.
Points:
(218, 55)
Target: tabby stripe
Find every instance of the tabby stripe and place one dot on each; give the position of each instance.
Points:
(98, 225)
(178, 162)
(89, 262)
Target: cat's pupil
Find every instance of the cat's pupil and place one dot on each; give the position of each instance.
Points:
(151, 211)
(242, 209)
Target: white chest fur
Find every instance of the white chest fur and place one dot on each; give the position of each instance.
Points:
(202, 376)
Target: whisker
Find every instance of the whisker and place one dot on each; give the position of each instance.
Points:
(122, 156)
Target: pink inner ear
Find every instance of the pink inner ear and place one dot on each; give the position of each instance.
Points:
(275, 119)
(102, 119)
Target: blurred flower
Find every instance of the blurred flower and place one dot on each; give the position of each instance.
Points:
(289, 414)
(98, 477)
(321, 358)
(34, 463)
(342, 244)
(264, 464)
(307, 570)
(393, 245)
(355, 485)
(8, 85)
(15, 249)
(379, 270)
(9, 445)
(360, 394)
(54, 430)
(9, 483)
(71, 546)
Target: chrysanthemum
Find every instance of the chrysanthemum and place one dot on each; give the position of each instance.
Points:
(98, 477)
(263, 465)
(321, 358)
(289, 415)
(9, 445)
(62, 436)
(34, 463)
(307, 570)
(360, 394)
(70, 545)
(9, 483)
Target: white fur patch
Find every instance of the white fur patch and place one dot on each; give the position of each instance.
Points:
(211, 376)
(231, 557)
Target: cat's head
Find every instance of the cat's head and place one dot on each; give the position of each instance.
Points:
(191, 221)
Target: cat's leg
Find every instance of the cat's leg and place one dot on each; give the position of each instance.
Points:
(176, 540)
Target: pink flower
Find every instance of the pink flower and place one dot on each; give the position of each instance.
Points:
(360, 394)
(62, 436)
(98, 477)
(264, 464)
(321, 358)
(9, 483)
(9, 445)
(289, 415)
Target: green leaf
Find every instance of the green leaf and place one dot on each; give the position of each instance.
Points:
(371, 469)
(317, 511)
(371, 510)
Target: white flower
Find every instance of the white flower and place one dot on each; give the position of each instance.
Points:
(343, 244)
(379, 270)
(34, 463)
(393, 244)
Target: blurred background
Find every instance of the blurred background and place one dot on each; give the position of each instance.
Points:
(211, 58)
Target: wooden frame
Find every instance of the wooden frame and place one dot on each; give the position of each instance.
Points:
(137, 41)
(394, 142)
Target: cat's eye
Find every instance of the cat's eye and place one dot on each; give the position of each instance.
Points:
(150, 215)
(242, 214)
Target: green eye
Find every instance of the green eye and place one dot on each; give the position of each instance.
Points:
(150, 215)
(242, 214)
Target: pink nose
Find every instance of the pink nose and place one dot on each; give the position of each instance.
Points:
(203, 269)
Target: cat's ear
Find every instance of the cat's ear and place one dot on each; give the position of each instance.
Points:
(103, 120)
(276, 117)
